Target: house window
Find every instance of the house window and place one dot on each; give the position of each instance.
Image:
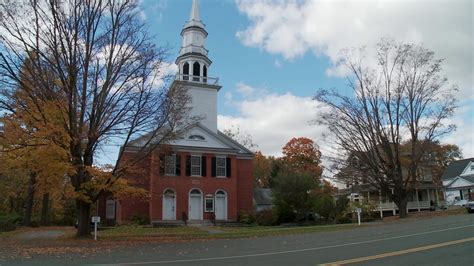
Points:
(196, 165)
(209, 203)
(110, 209)
(170, 164)
(221, 166)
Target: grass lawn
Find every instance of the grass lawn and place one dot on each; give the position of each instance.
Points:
(192, 232)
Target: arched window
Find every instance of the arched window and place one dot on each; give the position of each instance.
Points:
(220, 192)
(169, 192)
(204, 74)
(195, 192)
(196, 71)
(185, 71)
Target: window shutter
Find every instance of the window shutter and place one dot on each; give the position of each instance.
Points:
(162, 164)
(178, 165)
(188, 165)
(228, 167)
(213, 166)
(203, 166)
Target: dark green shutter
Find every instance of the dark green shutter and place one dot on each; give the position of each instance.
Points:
(188, 165)
(178, 165)
(213, 166)
(203, 165)
(228, 167)
(162, 164)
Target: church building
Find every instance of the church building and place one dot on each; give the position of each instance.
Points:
(206, 175)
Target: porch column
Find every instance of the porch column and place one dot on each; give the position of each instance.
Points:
(429, 198)
(380, 203)
(436, 197)
(393, 206)
(417, 201)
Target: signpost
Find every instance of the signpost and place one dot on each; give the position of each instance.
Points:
(95, 220)
(358, 210)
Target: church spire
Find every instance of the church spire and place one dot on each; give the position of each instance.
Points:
(195, 11)
(192, 61)
(193, 64)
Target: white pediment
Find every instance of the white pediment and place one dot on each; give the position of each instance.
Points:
(469, 170)
(196, 136)
(459, 182)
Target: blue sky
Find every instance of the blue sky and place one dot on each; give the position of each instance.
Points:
(233, 62)
(271, 56)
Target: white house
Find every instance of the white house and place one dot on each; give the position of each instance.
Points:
(458, 181)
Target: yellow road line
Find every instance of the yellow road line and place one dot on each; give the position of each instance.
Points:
(396, 253)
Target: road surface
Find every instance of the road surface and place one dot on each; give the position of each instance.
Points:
(435, 241)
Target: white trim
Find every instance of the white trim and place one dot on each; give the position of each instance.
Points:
(211, 197)
(191, 165)
(226, 199)
(174, 168)
(225, 167)
(200, 204)
(163, 204)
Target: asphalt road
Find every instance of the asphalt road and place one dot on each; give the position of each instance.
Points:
(436, 241)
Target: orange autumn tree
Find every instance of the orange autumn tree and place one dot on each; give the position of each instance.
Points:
(262, 170)
(302, 155)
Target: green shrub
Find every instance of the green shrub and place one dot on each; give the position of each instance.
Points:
(265, 217)
(140, 219)
(246, 217)
(344, 219)
(9, 222)
(324, 205)
(34, 223)
(291, 195)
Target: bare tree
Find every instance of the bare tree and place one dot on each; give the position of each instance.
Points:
(94, 60)
(391, 115)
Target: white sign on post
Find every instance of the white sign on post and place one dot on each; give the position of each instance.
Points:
(95, 220)
(358, 210)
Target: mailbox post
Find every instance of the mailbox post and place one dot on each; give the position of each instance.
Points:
(358, 210)
(95, 220)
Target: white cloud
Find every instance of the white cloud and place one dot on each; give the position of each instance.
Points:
(244, 89)
(292, 28)
(464, 134)
(273, 119)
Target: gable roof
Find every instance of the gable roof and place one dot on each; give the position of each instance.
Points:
(468, 179)
(212, 140)
(456, 168)
(262, 196)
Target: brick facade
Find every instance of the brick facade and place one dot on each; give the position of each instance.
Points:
(238, 188)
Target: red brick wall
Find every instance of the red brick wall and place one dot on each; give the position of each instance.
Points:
(238, 188)
(245, 185)
(139, 177)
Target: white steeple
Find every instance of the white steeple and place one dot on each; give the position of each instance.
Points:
(193, 65)
(195, 11)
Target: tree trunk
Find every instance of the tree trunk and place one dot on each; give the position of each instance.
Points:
(29, 200)
(402, 207)
(83, 216)
(45, 210)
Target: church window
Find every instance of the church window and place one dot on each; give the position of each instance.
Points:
(170, 164)
(196, 137)
(185, 71)
(221, 166)
(196, 71)
(204, 74)
(209, 203)
(196, 165)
